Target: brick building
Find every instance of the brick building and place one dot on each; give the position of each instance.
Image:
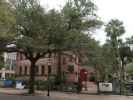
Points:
(69, 66)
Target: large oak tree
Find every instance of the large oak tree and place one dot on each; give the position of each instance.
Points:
(39, 32)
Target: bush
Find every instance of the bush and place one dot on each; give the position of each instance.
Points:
(70, 87)
(1, 83)
(92, 78)
(41, 85)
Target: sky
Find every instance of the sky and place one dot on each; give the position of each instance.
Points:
(107, 10)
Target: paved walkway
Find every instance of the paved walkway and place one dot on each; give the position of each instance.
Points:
(66, 96)
(16, 97)
(91, 88)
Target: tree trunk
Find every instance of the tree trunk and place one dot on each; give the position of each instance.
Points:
(59, 75)
(48, 94)
(32, 77)
(122, 78)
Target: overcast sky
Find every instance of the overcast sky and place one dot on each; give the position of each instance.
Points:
(107, 9)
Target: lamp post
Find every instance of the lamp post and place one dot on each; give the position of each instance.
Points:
(49, 71)
(48, 93)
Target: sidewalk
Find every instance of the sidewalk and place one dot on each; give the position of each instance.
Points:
(12, 91)
(67, 96)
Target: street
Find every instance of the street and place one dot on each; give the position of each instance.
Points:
(67, 97)
(15, 97)
(14, 94)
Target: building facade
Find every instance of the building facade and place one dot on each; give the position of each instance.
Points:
(9, 65)
(10, 60)
(69, 66)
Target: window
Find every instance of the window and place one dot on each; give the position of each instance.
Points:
(71, 68)
(25, 71)
(64, 60)
(20, 70)
(49, 69)
(43, 70)
(70, 58)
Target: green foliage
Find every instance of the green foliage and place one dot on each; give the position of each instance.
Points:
(38, 32)
(114, 30)
(108, 61)
(70, 87)
(7, 20)
(82, 7)
(41, 85)
(92, 78)
(105, 58)
(94, 56)
(129, 68)
(129, 41)
(13, 78)
(31, 26)
(80, 15)
(2, 65)
(93, 52)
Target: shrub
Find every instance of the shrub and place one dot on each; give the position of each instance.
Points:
(92, 78)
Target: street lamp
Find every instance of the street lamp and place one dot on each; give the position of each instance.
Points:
(49, 71)
(48, 94)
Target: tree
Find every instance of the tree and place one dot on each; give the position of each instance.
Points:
(30, 30)
(99, 57)
(80, 18)
(95, 59)
(40, 32)
(114, 30)
(35, 30)
(129, 42)
(7, 23)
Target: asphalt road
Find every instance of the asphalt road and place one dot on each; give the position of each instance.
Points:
(15, 97)
(66, 97)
